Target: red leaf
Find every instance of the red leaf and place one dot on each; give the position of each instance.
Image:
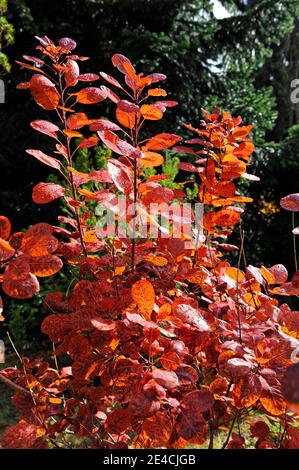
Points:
(6, 251)
(46, 159)
(28, 66)
(44, 92)
(90, 95)
(104, 125)
(273, 401)
(166, 104)
(110, 94)
(103, 325)
(157, 92)
(21, 289)
(191, 316)
(151, 112)
(23, 86)
(280, 273)
(166, 378)
(21, 436)
(128, 107)
(18, 269)
(35, 60)
(151, 159)
(110, 80)
(89, 142)
(290, 384)
(47, 192)
(155, 77)
(190, 423)
(156, 430)
(127, 119)
(38, 240)
(118, 421)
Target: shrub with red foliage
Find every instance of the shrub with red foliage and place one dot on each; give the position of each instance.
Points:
(166, 344)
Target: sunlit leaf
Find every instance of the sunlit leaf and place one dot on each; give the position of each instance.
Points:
(71, 76)
(5, 227)
(150, 112)
(6, 251)
(123, 64)
(45, 127)
(290, 202)
(120, 175)
(151, 159)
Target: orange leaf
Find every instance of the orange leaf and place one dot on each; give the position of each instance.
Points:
(267, 275)
(46, 159)
(47, 192)
(162, 141)
(6, 251)
(44, 266)
(290, 202)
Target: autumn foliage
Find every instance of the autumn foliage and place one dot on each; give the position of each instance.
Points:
(161, 345)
